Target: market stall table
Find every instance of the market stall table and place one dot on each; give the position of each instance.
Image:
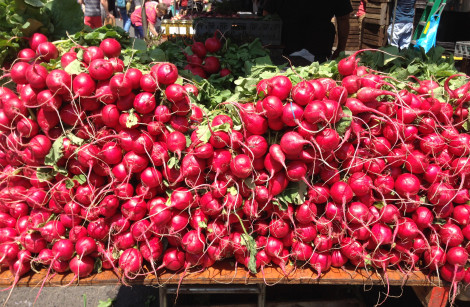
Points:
(430, 291)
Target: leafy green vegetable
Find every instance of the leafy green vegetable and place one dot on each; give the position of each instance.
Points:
(294, 194)
(55, 153)
(345, 121)
(250, 243)
(23, 18)
(410, 62)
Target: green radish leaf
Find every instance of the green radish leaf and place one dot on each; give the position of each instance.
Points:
(250, 243)
(108, 303)
(98, 265)
(81, 179)
(232, 190)
(75, 139)
(202, 224)
(44, 174)
(74, 68)
(173, 163)
(69, 184)
(131, 120)
(35, 3)
(203, 133)
(282, 206)
(294, 193)
(345, 122)
(225, 127)
(55, 153)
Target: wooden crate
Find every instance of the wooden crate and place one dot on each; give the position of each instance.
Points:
(355, 5)
(378, 13)
(373, 34)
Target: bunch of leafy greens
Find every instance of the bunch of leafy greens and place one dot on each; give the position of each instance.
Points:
(410, 62)
(23, 18)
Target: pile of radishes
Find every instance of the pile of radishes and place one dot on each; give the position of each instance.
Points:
(203, 61)
(117, 166)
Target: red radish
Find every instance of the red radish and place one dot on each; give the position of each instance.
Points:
(211, 65)
(82, 266)
(173, 259)
(175, 93)
(67, 58)
(320, 262)
(92, 53)
(40, 145)
(59, 82)
(85, 246)
(37, 39)
(148, 83)
(83, 85)
(36, 75)
(451, 235)
(18, 72)
(111, 47)
(165, 73)
(63, 250)
(407, 185)
(241, 166)
(272, 106)
(279, 86)
(292, 143)
(457, 256)
(190, 88)
(303, 93)
(193, 242)
(199, 49)
(144, 103)
(441, 194)
(348, 65)
(26, 55)
(291, 114)
(49, 101)
(100, 69)
(130, 262)
(225, 72)
(213, 44)
(176, 142)
(341, 193)
(47, 51)
(120, 85)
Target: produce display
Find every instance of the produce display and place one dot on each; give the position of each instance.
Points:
(111, 163)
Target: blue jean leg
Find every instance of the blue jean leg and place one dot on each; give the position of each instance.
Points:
(126, 21)
(139, 31)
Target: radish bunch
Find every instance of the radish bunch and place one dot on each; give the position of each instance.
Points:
(119, 166)
(203, 61)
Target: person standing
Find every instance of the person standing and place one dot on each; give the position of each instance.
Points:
(307, 25)
(154, 12)
(126, 21)
(93, 12)
(401, 25)
(361, 14)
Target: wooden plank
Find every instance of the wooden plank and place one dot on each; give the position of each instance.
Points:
(374, 30)
(374, 42)
(226, 273)
(432, 296)
(379, 39)
(367, 19)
